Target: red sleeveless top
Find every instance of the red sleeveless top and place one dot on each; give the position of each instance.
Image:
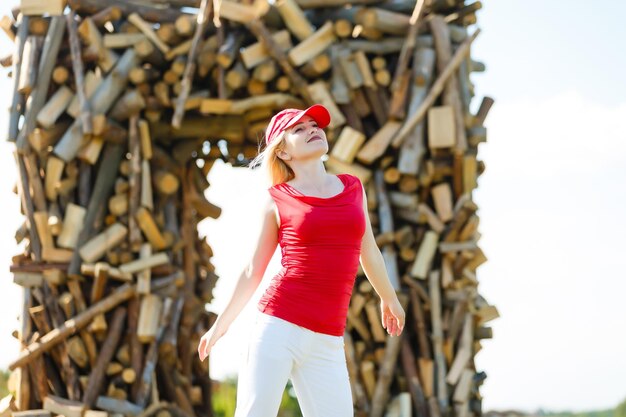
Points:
(320, 240)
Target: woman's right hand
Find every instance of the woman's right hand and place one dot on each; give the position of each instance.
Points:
(209, 339)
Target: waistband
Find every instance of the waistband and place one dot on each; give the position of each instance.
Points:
(262, 317)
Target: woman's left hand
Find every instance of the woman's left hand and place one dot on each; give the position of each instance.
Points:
(392, 316)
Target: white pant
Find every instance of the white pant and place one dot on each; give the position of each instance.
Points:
(279, 350)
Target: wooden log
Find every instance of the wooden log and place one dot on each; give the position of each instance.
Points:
(101, 189)
(91, 83)
(6, 24)
(146, 11)
(257, 53)
(451, 91)
(442, 199)
(261, 32)
(90, 34)
(151, 355)
(28, 71)
(60, 75)
(386, 225)
(6, 61)
(14, 110)
(95, 248)
(435, 90)
(169, 341)
(149, 318)
(49, 340)
(401, 78)
(382, 46)
(122, 40)
(185, 25)
(167, 33)
(144, 276)
(150, 229)
(36, 7)
(101, 272)
(377, 145)
(294, 19)
(70, 373)
(369, 378)
(382, 20)
(358, 392)
(311, 4)
(410, 370)
(413, 149)
(426, 252)
(229, 48)
(145, 263)
(34, 182)
(59, 405)
(108, 14)
(437, 340)
(147, 30)
(128, 106)
(37, 96)
(27, 204)
(375, 97)
(243, 13)
(483, 110)
(100, 102)
(96, 377)
(190, 67)
(237, 77)
(77, 66)
(117, 406)
(146, 185)
(347, 144)
(55, 106)
(462, 357)
(313, 45)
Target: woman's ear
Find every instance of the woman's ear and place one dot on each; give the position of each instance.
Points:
(283, 155)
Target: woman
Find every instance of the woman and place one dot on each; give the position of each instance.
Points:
(322, 224)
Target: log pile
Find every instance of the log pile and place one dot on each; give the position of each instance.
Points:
(118, 111)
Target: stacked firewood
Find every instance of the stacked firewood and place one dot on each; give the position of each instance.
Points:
(120, 108)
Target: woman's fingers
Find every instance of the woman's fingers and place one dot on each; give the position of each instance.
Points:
(400, 324)
(201, 348)
(392, 323)
(388, 324)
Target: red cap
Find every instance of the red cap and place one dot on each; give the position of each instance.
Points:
(289, 117)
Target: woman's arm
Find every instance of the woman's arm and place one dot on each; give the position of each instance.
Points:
(372, 260)
(248, 281)
(252, 274)
(373, 265)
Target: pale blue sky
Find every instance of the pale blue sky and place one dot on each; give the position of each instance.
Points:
(551, 205)
(536, 49)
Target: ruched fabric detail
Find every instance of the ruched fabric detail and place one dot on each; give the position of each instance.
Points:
(320, 240)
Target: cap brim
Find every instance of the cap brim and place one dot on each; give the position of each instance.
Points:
(318, 112)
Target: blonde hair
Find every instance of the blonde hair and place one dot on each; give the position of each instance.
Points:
(276, 170)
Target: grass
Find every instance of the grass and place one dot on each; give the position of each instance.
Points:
(4, 379)
(225, 396)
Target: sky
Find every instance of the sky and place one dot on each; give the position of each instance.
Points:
(550, 205)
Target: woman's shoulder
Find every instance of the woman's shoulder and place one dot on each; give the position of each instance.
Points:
(352, 179)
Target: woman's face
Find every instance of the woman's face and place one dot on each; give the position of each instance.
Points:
(305, 140)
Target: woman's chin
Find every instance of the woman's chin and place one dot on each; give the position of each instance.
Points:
(314, 152)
